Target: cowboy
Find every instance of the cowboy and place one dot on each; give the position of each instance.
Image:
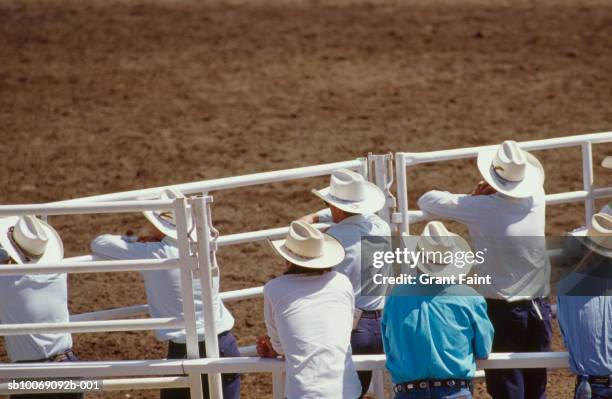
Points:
(163, 288)
(505, 215)
(308, 313)
(433, 333)
(584, 310)
(571, 245)
(352, 202)
(34, 298)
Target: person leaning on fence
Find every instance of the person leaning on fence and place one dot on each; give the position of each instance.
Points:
(163, 288)
(34, 298)
(433, 333)
(506, 218)
(607, 209)
(352, 202)
(584, 310)
(308, 314)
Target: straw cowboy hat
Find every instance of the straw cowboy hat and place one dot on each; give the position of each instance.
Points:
(350, 192)
(510, 170)
(437, 239)
(164, 221)
(598, 236)
(607, 162)
(307, 247)
(27, 239)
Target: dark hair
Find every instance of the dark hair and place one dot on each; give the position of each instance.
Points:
(349, 214)
(295, 269)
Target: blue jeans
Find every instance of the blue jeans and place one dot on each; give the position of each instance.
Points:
(518, 328)
(436, 393)
(600, 391)
(230, 382)
(366, 340)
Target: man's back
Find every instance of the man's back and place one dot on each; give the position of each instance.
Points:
(584, 311)
(163, 287)
(35, 299)
(350, 232)
(434, 332)
(510, 230)
(309, 318)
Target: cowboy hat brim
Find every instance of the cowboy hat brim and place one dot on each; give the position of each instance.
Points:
(607, 162)
(448, 270)
(374, 200)
(531, 183)
(333, 254)
(164, 226)
(54, 251)
(582, 236)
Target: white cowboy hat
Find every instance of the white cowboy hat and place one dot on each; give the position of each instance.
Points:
(510, 170)
(164, 221)
(27, 239)
(436, 239)
(350, 192)
(597, 236)
(307, 247)
(607, 162)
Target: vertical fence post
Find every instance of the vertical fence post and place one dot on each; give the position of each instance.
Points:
(278, 385)
(363, 168)
(587, 180)
(378, 382)
(189, 313)
(381, 179)
(402, 193)
(200, 206)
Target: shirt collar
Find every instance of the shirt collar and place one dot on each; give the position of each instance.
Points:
(169, 241)
(355, 219)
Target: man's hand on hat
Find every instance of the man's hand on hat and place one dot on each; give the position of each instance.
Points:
(310, 219)
(264, 347)
(483, 188)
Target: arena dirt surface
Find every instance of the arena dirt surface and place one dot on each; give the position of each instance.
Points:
(105, 96)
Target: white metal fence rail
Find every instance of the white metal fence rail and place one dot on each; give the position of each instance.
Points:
(197, 259)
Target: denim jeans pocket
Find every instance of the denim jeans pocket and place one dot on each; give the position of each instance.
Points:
(462, 394)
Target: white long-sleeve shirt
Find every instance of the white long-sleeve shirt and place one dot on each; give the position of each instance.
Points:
(39, 298)
(349, 233)
(309, 320)
(510, 231)
(163, 287)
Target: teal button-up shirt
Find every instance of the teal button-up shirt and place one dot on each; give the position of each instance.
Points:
(433, 332)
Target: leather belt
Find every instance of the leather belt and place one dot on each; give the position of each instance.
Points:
(598, 380)
(60, 357)
(428, 384)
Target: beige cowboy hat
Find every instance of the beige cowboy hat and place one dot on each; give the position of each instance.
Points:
(164, 220)
(27, 239)
(436, 239)
(350, 192)
(607, 162)
(511, 170)
(307, 247)
(598, 236)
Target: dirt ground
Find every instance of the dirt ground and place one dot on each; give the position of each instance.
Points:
(104, 96)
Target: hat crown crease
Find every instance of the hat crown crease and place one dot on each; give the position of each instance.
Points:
(304, 240)
(347, 185)
(600, 230)
(30, 235)
(436, 235)
(602, 224)
(510, 161)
